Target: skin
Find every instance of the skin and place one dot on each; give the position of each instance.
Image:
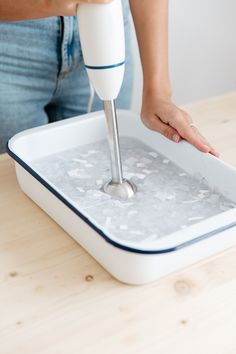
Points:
(158, 112)
(11, 10)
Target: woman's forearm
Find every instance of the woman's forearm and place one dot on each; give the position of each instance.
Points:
(16, 10)
(11, 10)
(151, 24)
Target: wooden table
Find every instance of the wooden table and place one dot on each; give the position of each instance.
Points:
(55, 298)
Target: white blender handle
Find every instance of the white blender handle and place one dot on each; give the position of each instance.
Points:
(101, 29)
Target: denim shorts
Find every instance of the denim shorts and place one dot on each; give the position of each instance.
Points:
(42, 74)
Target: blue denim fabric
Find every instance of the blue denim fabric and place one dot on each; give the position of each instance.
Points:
(42, 74)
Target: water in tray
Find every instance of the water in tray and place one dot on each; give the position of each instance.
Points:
(168, 199)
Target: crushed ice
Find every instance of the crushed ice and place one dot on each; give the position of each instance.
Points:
(168, 199)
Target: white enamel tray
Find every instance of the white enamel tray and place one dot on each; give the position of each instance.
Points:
(130, 262)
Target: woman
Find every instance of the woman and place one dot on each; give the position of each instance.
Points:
(43, 79)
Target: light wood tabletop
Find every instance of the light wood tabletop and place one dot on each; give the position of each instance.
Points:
(56, 299)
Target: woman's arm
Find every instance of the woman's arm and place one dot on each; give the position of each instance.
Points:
(158, 112)
(11, 10)
(16, 10)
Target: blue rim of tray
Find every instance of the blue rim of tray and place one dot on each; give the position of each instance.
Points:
(100, 232)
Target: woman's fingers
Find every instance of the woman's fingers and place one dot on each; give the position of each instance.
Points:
(95, 1)
(182, 123)
(206, 142)
(178, 129)
(188, 133)
(155, 123)
(163, 116)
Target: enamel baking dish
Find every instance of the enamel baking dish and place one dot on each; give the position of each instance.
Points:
(128, 261)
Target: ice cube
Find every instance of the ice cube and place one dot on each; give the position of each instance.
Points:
(214, 198)
(136, 232)
(82, 161)
(91, 152)
(99, 182)
(165, 161)
(129, 175)
(195, 218)
(147, 171)
(171, 197)
(81, 190)
(140, 164)
(108, 221)
(123, 227)
(140, 175)
(145, 160)
(133, 212)
(153, 154)
(77, 172)
(131, 161)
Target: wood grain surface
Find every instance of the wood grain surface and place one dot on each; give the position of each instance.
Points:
(56, 299)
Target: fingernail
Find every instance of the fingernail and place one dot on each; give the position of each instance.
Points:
(176, 138)
(207, 147)
(216, 153)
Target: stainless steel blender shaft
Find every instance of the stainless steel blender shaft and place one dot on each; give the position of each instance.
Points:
(113, 141)
(118, 186)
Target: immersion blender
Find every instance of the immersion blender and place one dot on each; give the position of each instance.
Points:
(101, 28)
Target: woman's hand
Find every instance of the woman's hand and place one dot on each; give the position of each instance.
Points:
(158, 112)
(31, 9)
(69, 7)
(161, 115)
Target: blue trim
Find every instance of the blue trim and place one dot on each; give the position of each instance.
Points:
(100, 232)
(104, 67)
